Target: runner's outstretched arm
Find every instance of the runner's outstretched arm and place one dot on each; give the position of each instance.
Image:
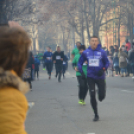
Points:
(81, 61)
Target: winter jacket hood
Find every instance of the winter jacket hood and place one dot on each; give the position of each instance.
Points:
(9, 78)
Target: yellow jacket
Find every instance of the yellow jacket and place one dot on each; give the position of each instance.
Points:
(13, 103)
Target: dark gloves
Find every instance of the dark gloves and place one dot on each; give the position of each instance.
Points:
(101, 72)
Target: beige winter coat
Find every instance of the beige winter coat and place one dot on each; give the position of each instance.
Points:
(122, 64)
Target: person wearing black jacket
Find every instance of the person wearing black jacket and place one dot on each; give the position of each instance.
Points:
(65, 65)
(58, 57)
(131, 60)
(28, 70)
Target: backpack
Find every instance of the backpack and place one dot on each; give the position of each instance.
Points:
(27, 73)
(122, 59)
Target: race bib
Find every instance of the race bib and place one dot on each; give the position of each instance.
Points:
(58, 57)
(94, 62)
(64, 63)
(48, 58)
(84, 64)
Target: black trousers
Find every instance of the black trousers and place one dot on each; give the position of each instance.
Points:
(83, 87)
(59, 68)
(129, 69)
(101, 91)
(36, 72)
(117, 70)
(64, 69)
(29, 81)
(49, 68)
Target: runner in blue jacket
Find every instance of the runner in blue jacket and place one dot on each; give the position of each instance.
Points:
(97, 64)
(48, 61)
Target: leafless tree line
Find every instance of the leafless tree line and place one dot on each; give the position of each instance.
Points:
(63, 21)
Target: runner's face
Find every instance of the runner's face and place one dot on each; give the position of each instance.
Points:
(81, 51)
(94, 43)
(58, 49)
(78, 45)
(48, 49)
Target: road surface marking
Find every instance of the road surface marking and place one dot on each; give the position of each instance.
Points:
(127, 91)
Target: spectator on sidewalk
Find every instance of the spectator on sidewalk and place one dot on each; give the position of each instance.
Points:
(14, 47)
(116, 64)
(123, 62)
(110, 68)
(128, 45)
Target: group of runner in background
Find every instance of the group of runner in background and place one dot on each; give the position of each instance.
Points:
(48, 59)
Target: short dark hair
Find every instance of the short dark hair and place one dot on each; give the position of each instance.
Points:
(82, 47)
(78, 42)
(94, 36)
(49, 47)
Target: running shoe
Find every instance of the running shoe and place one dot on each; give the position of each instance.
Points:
(83, 103)
(96, 118)
(80, 102)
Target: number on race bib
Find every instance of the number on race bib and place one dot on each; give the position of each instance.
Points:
(94, 62)
(48, 58)
(64, 63)
(58, 57)
(84, 64)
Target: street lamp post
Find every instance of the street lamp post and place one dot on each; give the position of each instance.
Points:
(114, 26)
(94, 19)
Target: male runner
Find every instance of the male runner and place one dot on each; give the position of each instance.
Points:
(48, 61)
(83, 88)
(97, 64)
(58, 60)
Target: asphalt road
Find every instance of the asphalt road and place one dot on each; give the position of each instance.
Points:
(56, 109)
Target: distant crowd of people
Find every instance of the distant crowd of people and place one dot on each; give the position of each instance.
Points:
(121, 60)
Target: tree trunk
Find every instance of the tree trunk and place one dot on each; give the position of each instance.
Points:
(87, 25)
(82, 27)
(119, 31)
(34, 45)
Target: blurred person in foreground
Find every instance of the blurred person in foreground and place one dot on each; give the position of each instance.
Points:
(14, 47)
